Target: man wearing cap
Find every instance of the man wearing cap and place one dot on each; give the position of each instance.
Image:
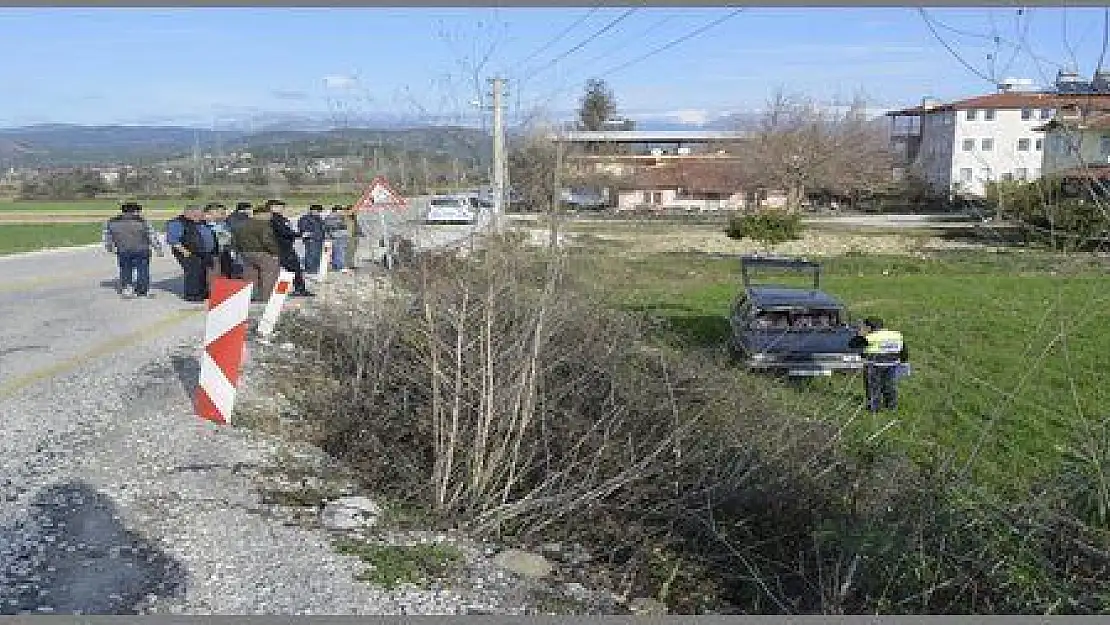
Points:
(215, 217)
(241, 214)
(286, 236)
(193, 245)
(131, 238)
(259, 249)
(336, 230)
(883, 351)
(311, 227)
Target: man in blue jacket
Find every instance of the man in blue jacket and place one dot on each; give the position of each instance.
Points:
(311, 226)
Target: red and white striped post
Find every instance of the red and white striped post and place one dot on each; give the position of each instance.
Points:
(325, 261)
(225, 339)
(273, 307)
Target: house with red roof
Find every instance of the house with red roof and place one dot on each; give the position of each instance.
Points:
(959, 147)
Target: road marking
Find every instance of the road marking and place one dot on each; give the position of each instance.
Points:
(113, 345)
(27, 284)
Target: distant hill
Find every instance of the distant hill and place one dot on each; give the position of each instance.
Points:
(60, 145)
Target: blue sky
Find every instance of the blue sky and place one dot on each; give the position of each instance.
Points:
(218, 65)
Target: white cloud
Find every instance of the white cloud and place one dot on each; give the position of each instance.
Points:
(690, 116)
(339, 82)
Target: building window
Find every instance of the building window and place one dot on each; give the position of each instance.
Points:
(988, 115)
(971, 115)
(1021, 173)
(1023, 145)
(1046, 113)
(969, 145)
(988, 145)
(1039, 145)
(985, 173)
(1104, 145)
(1027, 114)
(965, 174)
(1008, 176)
(1037, 172)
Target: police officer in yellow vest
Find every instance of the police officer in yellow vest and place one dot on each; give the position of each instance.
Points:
(884, 351)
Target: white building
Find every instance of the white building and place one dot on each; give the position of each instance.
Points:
(960, 146)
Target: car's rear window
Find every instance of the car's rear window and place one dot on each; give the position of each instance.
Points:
(445, 202)
(796, 319)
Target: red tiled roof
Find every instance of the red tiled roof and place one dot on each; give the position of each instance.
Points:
(1012, 101)
(720, 177)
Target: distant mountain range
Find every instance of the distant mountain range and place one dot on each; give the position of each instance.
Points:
(63, 145)
(57, 145)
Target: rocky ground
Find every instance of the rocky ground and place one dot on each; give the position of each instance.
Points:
(116, 499)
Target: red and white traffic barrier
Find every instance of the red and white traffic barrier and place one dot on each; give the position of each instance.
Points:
(273, 307)
(225, 340)
(325, 261)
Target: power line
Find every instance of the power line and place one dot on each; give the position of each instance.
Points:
(1003, 40)
(559, 36)
(956, 55)
(637, 37)
(657, 50)
(585, 42)
(682, 39)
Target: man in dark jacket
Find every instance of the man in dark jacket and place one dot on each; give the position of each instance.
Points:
(311, 227)
(241, 214)
(286, 236)
(193, 245)
(131, 238)
(259, 249)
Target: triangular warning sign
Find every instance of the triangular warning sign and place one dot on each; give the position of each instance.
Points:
(378, 196)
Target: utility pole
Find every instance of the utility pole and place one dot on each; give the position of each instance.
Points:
(499, 167)
(555, 194)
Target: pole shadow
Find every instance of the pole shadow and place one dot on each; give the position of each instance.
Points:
(173, 286)
(187, 369)
(72, 554)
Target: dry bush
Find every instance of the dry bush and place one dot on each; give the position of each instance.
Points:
(522, 407)
(499, 392)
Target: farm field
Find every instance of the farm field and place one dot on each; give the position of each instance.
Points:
(1011, 359)
(16, 238)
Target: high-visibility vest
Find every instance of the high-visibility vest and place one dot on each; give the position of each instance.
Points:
(883, 345)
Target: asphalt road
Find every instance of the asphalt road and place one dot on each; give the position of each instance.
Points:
(103, 508)
(60, 311)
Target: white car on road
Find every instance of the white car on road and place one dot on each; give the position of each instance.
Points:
(444, 209)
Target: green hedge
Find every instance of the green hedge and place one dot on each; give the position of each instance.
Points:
(768, 228)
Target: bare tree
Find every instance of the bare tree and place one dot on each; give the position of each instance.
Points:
(532, 169)
(806, 149)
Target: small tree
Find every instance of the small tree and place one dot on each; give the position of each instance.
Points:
(598, 105)
(767, 227)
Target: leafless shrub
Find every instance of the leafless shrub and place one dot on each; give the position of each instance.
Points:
(499, 392)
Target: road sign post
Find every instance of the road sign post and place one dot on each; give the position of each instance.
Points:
(378, 198)
(273, 306)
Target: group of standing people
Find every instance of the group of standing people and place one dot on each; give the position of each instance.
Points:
(251, 243)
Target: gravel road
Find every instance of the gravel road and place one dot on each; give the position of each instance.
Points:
(115, 499)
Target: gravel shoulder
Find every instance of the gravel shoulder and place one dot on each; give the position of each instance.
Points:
(116, 499)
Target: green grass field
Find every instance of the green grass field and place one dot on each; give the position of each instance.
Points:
(1010, 355)
(30, 237)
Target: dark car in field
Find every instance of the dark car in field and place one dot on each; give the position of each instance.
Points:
(794, 330)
